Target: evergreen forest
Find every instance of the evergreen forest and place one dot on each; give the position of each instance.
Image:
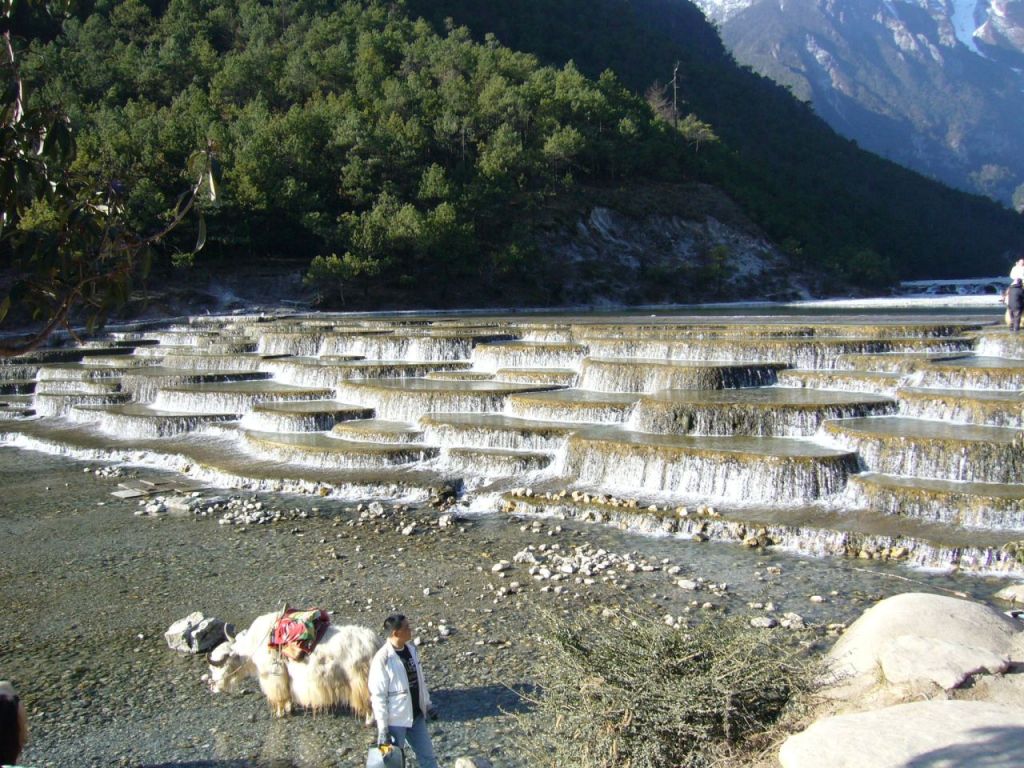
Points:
(407, 154)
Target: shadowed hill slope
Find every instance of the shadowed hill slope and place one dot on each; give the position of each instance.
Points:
(824, 199)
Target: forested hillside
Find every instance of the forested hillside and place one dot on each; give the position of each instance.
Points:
(405, 165)
(824, 199)
(411, 163)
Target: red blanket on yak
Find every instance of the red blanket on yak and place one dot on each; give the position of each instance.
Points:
(297, 632)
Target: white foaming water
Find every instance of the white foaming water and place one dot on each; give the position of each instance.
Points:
(140, 422)
(399, 347)
(339, 487)
(491, 357)
(284, 421)
(703, 469)
(298, 344)
(490, 455)
(201, 362)
(407, 402)
(491, 464)
(495, 435)
(666, 417)
(932, 450)
(984, 509)
(61, 404)
(224, 400)
(651, 375)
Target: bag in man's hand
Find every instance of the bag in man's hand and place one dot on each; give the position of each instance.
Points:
(385, 756)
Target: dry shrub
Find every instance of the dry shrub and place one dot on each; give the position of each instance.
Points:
(627, 691)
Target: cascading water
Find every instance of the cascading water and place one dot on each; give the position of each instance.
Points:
(301, 416)
(494, 431)
(231, 397)
(998, 408)
(871, 382)
(318, 450)
(573, 406)
(795, 352)
(1000, 344)
(495, 462)
(138, 421)
(408, 399)
(60, 404)
(639, 375)
(144, 385)
(932, 449)
(378, 431)
(525, 354)
(70, 386)
(375, 403)
(732, 469)
(987, 506)
(766, 411)
(555, 377)
(972, 373)
(333, 371)
(203, 362)
(407, 347)
(297, 343)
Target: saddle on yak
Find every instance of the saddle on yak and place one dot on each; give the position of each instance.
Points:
(296, 633)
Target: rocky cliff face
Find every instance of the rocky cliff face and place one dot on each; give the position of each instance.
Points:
(1001, 31)
(933, 84)
(613, 256)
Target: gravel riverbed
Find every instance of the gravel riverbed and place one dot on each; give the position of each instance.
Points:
(88, 586)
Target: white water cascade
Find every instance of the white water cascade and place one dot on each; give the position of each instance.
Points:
(891, 436)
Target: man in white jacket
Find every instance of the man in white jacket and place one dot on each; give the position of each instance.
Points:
(1017, 271)
(398, 692)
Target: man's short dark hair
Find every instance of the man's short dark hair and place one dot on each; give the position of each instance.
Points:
(393, 623)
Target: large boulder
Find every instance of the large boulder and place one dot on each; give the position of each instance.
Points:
(925, 734)
(914, 644)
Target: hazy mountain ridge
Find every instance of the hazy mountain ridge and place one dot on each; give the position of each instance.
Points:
(931, 84)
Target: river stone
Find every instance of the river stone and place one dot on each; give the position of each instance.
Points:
(1012, 594)
(924, 733)
(472, 762)
(937, 624)
(195, 634)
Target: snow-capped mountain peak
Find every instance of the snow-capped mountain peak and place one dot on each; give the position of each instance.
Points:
(933, 84)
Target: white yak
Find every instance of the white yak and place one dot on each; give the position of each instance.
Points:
(334, 673)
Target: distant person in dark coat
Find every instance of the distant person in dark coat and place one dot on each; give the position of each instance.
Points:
(1015, 303)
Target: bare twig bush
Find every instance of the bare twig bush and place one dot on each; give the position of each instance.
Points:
(628, 691)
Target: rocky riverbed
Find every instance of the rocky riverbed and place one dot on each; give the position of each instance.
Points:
(89, 582)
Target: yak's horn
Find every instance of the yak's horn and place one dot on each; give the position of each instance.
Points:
(229, 632)
(219, 662)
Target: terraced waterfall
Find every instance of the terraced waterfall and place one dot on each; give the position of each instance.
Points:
(891, 438)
